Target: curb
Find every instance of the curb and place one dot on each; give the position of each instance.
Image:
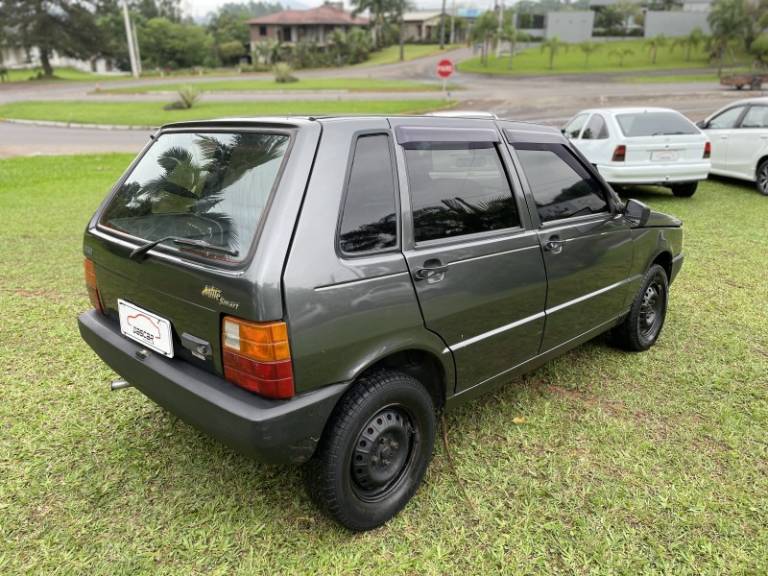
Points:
(53, 124)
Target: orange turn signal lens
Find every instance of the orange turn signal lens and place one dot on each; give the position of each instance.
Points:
(263, 342)
(90, 285)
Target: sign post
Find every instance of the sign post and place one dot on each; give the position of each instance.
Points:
(445, 70)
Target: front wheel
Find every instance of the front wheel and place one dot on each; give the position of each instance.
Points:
(642, 326)
(762, 178)
(684, 190)
(374, 452)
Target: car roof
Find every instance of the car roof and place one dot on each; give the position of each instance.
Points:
(755, 100)
(627, 110)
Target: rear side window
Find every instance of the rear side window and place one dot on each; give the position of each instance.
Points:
(561, 187)
(655, 124)
(369, 221)
(596, 129)
(458, 188)
(756, 117)
(211, 188)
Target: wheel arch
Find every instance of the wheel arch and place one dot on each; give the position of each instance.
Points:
(763, 158)
(663, 259)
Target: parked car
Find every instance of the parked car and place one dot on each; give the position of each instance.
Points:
(317, 290)
(632, 146)
(739, 133)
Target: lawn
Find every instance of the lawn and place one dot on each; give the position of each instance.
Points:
(391, 54)
(59, 74)
(268, 85)
(619, 463)
(571, 60)
(152, 113)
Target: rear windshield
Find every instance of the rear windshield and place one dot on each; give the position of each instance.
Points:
(655, 124)
(210, 188)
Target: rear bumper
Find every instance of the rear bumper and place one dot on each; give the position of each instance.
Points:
(275, 431)
(654, 174)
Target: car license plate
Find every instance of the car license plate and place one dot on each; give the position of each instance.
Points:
(145, 328)
(664, 155)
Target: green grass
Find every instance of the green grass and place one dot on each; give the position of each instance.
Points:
(670, 78)
(152, 113)
(535, 62)
(391, 54)
(345, 84)
(650, 463)
(59, 74)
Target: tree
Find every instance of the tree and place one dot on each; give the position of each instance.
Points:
(167, 44)
(378, 10)
(553, 46)
(397, 11)
(622, 53)
(628, 10)
(588, 48)
(512, 35)
(654, 44)
(759, 49)
(484, 31)
(610, 20)
(727, 21)
(691, 42)
(67, 27)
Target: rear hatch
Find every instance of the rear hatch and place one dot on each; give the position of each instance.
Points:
(660, 137)
(202, 197)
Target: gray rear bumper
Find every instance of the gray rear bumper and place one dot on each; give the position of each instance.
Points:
(275, 431)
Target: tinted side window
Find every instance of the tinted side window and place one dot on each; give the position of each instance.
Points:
(573, 128)
(596, 129)
(561, 187)
(369, 221)
(727, 119)
(458, 188)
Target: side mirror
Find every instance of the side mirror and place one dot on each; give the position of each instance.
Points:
(703, 124)
(636, 212)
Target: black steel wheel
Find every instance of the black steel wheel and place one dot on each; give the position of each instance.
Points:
(641, 327)
(685, 190)
(762, 178)
(374, 452)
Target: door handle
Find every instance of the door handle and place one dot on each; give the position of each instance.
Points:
(432, 271)
(554, 244)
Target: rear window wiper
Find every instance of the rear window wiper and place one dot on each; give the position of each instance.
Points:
(144, 248)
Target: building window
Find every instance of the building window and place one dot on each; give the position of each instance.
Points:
(262, 30)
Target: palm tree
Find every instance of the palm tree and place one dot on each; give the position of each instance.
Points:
(378, 10)
(690, 43)
(553, 46)
(727, 21)
(484, 30)
(621, 53)
(654, 44)
(588, 48)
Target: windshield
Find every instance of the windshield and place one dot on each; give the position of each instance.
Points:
(207, 187)
(655, 124)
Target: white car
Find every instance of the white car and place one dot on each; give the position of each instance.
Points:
(739, 134)
(629, 146)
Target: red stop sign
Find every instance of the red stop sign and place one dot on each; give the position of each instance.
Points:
(444, 68)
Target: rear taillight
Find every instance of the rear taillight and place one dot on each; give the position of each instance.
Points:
(257, 356)
(707, 150)
(620, 153)
(90, 285)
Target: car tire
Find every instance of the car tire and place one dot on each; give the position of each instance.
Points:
(374, 452)
(642, 326)
(762, 178)
(684, 190)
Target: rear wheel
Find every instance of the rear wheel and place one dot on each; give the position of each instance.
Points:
(643, 324)
(684, 190)
(374, 452)
(762, 178)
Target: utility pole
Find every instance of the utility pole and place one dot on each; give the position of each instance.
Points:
(130, 39)
(442, 27)
(501, 27)
(453, 22)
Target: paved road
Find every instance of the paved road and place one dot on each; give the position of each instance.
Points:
(549, 100)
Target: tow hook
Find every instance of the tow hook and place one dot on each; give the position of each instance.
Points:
(119, 385)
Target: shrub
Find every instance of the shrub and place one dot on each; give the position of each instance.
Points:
(188, 97)
(283, 73)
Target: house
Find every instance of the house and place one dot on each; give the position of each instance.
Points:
(315, 25)
(422, 26)
(17, 57)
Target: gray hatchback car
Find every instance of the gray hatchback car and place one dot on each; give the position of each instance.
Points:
(317, 290)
